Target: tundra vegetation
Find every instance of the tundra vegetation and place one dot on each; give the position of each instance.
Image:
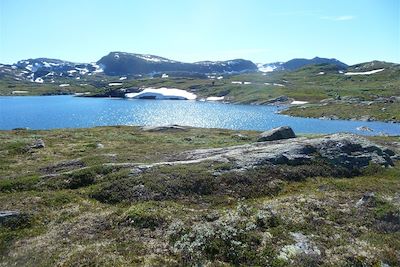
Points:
(96, 197)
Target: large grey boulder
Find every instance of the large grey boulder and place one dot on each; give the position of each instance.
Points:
(283, 132)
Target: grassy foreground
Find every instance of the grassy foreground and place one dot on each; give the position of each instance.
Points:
(79, 208)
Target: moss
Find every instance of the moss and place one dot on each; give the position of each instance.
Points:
(19, 184)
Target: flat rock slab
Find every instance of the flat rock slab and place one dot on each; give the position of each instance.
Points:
(345, 150)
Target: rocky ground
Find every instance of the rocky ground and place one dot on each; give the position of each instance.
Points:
(177, 196)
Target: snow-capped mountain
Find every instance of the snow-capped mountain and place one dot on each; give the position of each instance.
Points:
(120, 63)
(47, 70)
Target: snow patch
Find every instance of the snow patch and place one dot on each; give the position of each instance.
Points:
(365, 72)
(46, 64)
(82, 71)
(164, 75)
(163, 93)
(266, 68)
(64, 85)
(236, 82)
(152, 58)
(295, 102)
(97, 67)
(321, 73)
(278, 84)
(215, 98)
(114, 84)
(39, 80)
(123, 78)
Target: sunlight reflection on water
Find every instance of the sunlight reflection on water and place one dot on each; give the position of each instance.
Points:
(46, 112)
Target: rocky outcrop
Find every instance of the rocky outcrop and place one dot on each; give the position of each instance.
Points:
(164, 128)
(280, 100)
(14, 219)
(284, 132)
(347, 151)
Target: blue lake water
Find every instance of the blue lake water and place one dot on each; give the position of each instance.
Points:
(48, 112)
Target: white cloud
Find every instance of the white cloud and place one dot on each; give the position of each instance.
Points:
(339, 18)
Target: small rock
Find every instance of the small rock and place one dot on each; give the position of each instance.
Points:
(100, 146)
(241, 136)
(188, 139)
(365, 129)
(284, 132)
(212, 216)
(368, 199)
(37, 144)
(4, 214)
(14, 219)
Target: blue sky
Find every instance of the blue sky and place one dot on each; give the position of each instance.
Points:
(191, 30)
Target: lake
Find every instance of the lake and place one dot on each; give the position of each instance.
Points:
(48, 112)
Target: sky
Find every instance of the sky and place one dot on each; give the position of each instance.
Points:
(263, 31)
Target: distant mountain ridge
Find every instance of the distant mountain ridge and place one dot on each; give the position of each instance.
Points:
(297, 63)
(121, 63)
(118, 66)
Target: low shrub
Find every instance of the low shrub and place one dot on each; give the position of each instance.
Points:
(146, 215)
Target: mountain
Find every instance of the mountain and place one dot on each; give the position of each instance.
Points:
(373, 65)
(297, 63)
(120, 63)
(47, 70)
